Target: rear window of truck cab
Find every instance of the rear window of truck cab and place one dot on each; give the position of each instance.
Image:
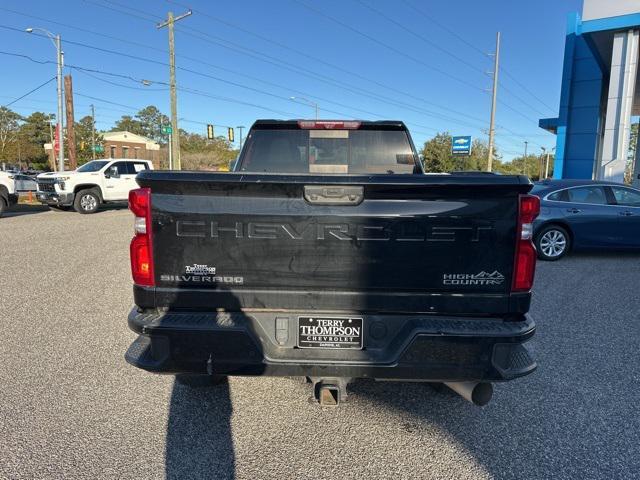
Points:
(328, 151)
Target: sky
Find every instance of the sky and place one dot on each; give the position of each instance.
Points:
(424, 62)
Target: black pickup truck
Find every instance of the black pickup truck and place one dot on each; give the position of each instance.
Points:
(329, 254)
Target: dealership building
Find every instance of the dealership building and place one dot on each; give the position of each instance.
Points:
(600, 93)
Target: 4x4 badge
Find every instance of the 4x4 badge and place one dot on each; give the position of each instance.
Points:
(482, 278)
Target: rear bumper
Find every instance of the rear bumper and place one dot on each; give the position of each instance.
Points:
(55, 198)
(410, 347)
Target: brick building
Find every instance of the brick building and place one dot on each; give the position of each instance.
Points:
(130, 145)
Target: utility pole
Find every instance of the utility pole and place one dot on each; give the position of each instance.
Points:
(526, 144)
(60, 114)
(93, 132)
(240, 128)
(308, 102)
(175, 135)
(57, 42)
(494, 98)
(546, 168)
(71, 137)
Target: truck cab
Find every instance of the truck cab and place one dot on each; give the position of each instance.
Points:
(94, 183)
(8, 196)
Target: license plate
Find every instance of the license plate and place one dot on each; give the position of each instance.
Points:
(330, 332)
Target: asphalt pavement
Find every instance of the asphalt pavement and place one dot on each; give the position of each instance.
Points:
(70, 407)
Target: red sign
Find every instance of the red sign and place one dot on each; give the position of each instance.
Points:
(56, 141)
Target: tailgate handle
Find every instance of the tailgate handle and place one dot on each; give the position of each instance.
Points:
(333, 195)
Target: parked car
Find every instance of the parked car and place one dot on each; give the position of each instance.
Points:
(8, 195)
(585, 214)
(94, 183)
(329, 254)
(25, 183)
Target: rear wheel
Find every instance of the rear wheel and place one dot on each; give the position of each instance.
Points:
(3, 205)
(552, 243)
(86, 201)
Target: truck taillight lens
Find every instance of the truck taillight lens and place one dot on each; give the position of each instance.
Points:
(141, 244)
(328, 124)
(525, 259)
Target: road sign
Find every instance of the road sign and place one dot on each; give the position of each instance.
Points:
(461, 146)
(167, 130)
(210, 134)
(98, 148)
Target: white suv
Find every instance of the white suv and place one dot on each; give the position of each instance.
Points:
(94, 183)
(8, 195)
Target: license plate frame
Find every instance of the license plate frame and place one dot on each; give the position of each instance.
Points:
(337, 332)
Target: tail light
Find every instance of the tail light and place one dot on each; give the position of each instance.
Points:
(328, 124)
(525, 259)
(141, 245)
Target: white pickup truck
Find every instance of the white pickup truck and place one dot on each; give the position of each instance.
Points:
(92, 184)
(8, 196)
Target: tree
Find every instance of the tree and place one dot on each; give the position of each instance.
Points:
(146, 122)
(199, 153)
(33, 134)
(84, 131)
(438, 158)
(437, 154)
(151, 119)
(128, 123)
(531, 165)
(9, 128)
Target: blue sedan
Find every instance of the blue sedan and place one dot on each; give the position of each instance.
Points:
(585, 214)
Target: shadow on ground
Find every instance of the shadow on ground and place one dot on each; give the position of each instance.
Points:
(23, 209)
(199, 440)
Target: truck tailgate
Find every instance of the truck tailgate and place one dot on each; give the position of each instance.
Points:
(414, 243)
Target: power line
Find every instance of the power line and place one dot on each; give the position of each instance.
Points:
(419, 36)
(517, 82)
(286, 98)
(203, 74)
(474, 47)
(311, 74)
(524, 102)
(226, 99)
(445, 28)
(452, 55)
(85, 72)
(30, 92)
(324, 62)
(387, 46)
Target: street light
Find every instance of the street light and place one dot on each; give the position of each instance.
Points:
(57, 43)
(309, 102)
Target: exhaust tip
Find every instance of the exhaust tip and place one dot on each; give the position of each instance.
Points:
(481, 394)
(478, 393)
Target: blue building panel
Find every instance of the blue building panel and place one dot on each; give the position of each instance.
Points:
(581, 119)
(580, 102)
(582, 106)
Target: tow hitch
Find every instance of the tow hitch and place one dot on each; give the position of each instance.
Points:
(329, 392)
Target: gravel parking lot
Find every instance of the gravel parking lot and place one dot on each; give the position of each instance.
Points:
(71, 407)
